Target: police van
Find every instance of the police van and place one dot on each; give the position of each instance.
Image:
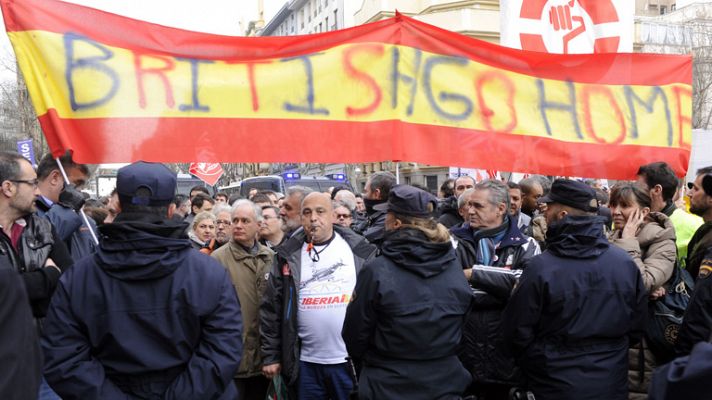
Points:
(280, 183)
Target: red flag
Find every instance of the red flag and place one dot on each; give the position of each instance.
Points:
(207, 172)
(114, 89)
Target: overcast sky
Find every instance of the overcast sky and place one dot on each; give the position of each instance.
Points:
(226, 17)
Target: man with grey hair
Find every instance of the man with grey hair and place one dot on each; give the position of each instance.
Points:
(348, 199)
(248, 262)
(492, 251)
(289, 211)
(223, 222)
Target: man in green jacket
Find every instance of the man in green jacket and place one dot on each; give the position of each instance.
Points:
(248, 263)
(662, 184)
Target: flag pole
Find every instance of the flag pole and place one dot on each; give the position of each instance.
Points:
(81, 211)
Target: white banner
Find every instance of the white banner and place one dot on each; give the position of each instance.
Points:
(568, 26)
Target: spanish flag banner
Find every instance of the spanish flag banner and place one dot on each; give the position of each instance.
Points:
(114, 89)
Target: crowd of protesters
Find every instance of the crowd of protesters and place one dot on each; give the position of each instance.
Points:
(542, 289)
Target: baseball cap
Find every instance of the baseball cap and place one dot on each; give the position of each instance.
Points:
(155, 177)
(573, 194)
(408, 200)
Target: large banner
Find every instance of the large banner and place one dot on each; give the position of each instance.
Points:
(568, 26)
(113, 89)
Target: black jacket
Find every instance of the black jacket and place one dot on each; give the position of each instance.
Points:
(449, 215)
(145, 317)
(20, 355)
(373, 227)
(575, 311)
(698, 247)
(697, 324)
(278, 311)
(38, 242)
(483, 353)
(407, 314)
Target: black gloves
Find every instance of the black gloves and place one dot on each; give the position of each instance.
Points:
(71, 198)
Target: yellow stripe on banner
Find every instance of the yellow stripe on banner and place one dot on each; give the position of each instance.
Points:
(80, 78)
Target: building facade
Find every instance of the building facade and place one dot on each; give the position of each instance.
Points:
(305, 17)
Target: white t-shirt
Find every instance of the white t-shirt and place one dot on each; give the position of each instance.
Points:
(324, 292)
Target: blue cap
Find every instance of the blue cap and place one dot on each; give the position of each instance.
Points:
(573, 194)
(409, 200)
(155, 177)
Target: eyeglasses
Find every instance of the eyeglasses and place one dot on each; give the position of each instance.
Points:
(33, 182)
(344, 216)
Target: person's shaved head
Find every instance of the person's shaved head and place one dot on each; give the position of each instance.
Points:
(316, 215)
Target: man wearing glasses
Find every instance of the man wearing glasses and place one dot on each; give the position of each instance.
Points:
(29, 243)
(61, 203)
(271, 233)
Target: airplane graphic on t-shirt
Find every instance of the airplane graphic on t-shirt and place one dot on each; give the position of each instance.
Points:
(322, 274)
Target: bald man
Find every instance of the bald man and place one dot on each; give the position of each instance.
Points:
(314, 273)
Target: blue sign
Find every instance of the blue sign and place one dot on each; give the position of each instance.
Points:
(24, 147)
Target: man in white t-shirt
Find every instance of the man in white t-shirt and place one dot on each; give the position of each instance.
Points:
(313, 277)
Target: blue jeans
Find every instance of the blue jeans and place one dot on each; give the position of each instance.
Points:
(323, 381)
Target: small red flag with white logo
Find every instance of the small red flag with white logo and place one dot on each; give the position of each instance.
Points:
(207, 172)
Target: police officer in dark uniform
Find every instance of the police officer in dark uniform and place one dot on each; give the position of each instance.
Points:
(577, 306)
(405, 319)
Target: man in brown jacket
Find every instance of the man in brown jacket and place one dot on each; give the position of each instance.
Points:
(248, 263)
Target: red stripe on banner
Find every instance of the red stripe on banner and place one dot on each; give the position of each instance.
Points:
(262, 140)
(114, 30)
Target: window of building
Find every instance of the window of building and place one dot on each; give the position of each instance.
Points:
(336, 19)
(407, 180)
(431, 182)
(662, 10)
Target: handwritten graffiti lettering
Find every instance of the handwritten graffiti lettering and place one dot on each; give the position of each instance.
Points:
(76, 64)
(309, 108)
(466, 103)
(423, 87)
(195, 104)
(397, 76)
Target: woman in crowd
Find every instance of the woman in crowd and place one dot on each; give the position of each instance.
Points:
(202, 233)
(649, 238)
(404, 322)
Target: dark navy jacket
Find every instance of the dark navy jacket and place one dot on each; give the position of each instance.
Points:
(404, 322)
(147, 316)
(20, 355)
(574, 313)
(70, 227)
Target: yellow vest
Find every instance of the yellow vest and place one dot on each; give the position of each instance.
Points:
(686, 225)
